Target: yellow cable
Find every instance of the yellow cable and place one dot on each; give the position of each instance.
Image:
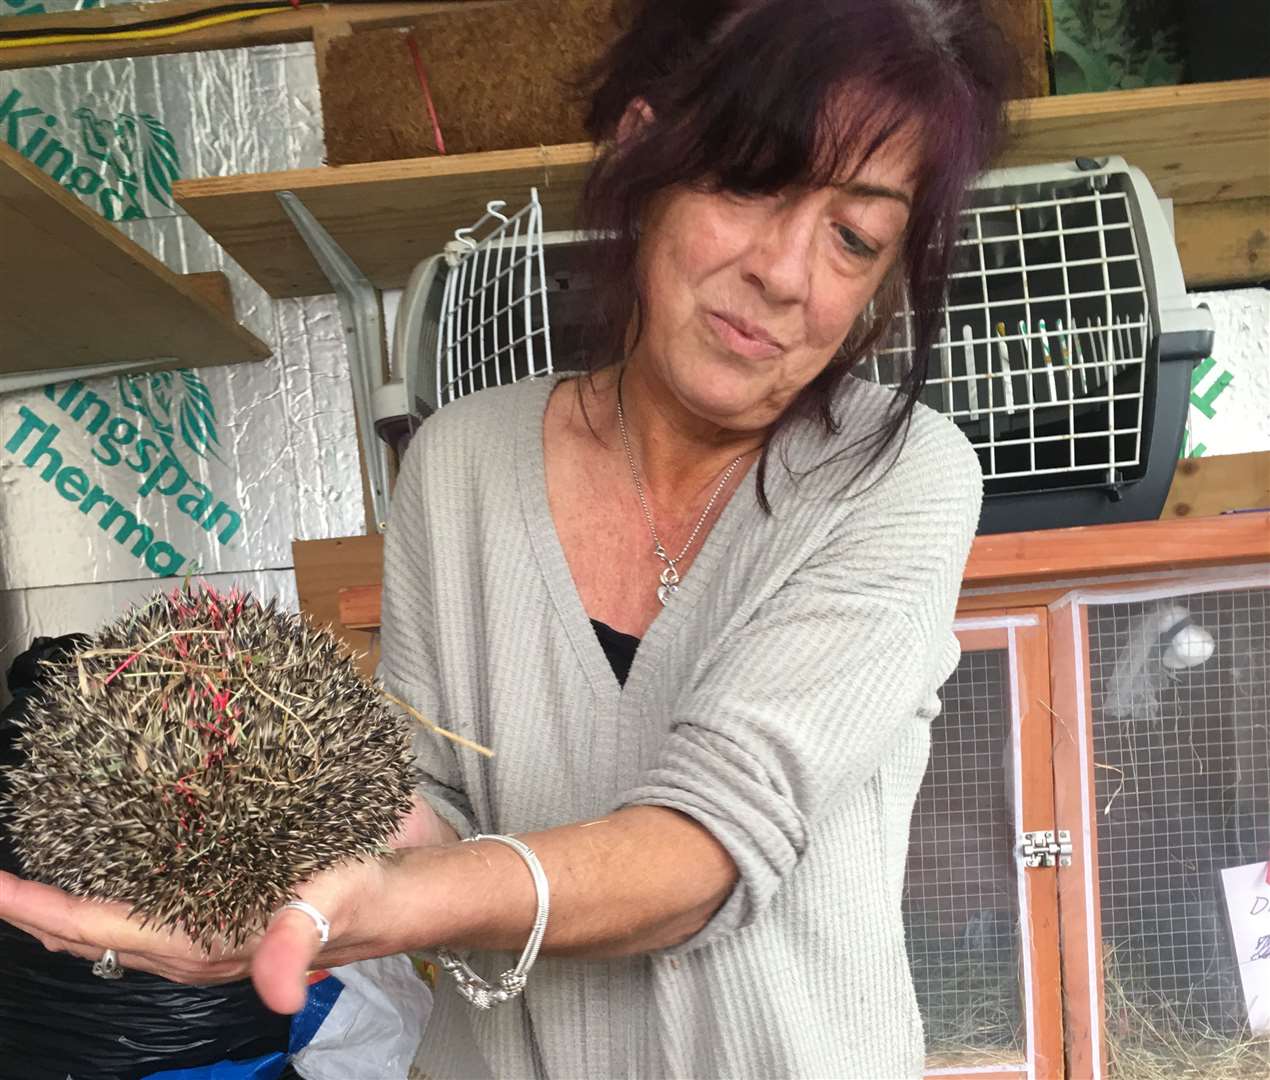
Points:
(152, 32)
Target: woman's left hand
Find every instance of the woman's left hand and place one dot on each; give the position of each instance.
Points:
(279, 959)
(355, 897)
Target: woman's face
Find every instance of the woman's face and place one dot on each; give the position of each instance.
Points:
(748, 298)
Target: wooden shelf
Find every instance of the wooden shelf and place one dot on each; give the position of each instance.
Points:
(387, 215)
(290, 24)
(76, 291)
(1200, 145)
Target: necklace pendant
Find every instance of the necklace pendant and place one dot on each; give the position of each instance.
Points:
(670, 575)
(669, 582)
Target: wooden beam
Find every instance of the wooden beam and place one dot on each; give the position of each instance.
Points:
(1031, 679)
(387, 215)
(1025, 25)
(76, 291)
(1134, 547)
(1024, 557)
(1223, 243)
(359, 606)
(285, 25)
(1195, 142)
(1071, 702)
(213, 286)
(322, 569)
(1205, 486)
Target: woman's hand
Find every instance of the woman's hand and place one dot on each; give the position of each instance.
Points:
(85, 928)
(353, 897)
(462, 895)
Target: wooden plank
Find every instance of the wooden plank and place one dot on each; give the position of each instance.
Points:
(322, 569)
(1025, 25)
(286, 24)
(1033, 557)
(1035, 738)
(359, 606)
(983, 639)
(1078, 892)
(1223, 243)
(1196, 143)
(213, 286)
(1205, 486)
(388, 215)
(973, 603)
(1027, 559)
(77, 291)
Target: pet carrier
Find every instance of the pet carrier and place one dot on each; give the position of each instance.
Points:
(1066, 346)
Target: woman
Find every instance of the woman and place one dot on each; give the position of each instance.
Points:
(777, 544)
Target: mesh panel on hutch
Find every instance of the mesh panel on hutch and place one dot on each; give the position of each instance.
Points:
(961, 909)
(1182, 775)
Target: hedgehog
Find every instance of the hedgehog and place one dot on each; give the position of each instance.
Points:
(202, 756)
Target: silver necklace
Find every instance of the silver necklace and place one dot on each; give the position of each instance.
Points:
(669, 577)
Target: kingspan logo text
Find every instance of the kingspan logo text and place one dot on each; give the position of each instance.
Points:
(131, 154)
(121, 444)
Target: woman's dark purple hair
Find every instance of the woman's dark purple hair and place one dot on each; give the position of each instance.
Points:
(753, 96)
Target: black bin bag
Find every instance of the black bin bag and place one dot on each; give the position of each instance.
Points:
(59, 1020)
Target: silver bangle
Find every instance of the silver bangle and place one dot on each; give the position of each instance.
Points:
(510, 983)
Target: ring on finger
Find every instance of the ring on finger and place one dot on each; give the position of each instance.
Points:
(108, 966)
(320, 921)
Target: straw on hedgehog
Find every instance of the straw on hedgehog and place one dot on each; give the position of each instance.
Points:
(203, 756)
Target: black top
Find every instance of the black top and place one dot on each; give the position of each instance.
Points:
(618, 647)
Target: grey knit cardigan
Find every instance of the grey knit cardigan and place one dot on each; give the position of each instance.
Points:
(783, 700)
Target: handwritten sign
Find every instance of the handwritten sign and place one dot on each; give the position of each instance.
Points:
(1248, 903)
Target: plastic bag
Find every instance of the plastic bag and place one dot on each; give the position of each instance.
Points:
(364, 1022)
(270, 1067)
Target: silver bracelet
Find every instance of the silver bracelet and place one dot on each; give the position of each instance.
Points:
(510, 983)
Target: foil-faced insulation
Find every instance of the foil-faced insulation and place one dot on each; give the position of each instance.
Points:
(106, 485)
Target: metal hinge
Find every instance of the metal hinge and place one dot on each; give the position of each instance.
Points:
(1044, 848)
